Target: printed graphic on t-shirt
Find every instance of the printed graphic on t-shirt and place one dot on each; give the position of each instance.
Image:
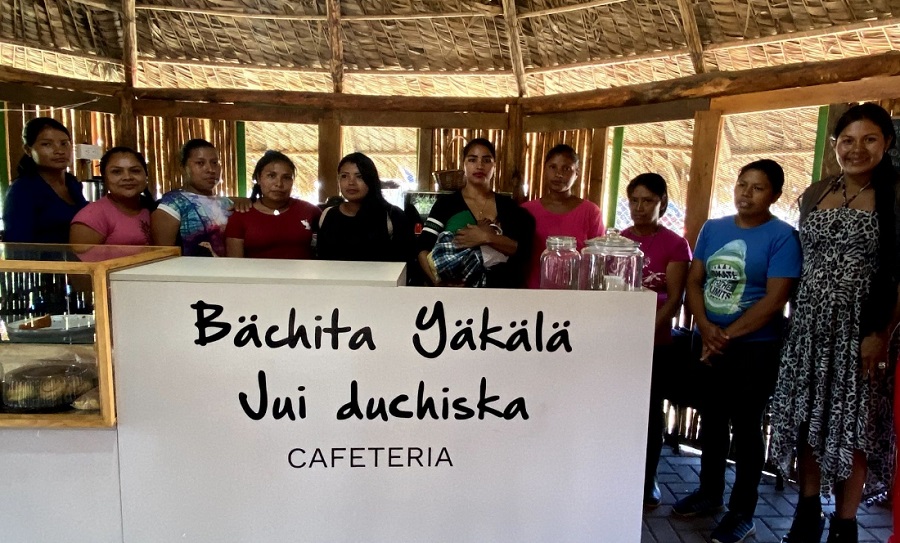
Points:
(726, 278)
(654, 281)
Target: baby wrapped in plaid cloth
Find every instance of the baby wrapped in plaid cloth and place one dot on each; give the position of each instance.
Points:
(468, 265)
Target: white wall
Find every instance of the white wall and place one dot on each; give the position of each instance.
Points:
(59, 485)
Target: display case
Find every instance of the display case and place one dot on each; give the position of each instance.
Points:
(55, 339)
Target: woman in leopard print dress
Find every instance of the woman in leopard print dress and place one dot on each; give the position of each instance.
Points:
(833, 399)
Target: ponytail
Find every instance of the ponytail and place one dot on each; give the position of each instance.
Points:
(148, 202)
(27, 166)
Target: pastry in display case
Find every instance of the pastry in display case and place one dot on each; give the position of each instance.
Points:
(55, 351)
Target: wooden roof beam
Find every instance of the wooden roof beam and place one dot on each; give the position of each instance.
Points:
(15, 75)
(655, 55)
(104, 5)
(715, 84)
(321, 100)
(734, 44)
(483, 11)
(876, 88)
(568, 9)
(515, 51)
(692, 35)
(336, 41)
(805, 34)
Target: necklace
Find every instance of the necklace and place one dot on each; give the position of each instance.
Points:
(275, 211)
(844, 192)
(480, 213)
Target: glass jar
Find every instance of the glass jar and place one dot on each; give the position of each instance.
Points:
(560, 264)
(611, 262)
(591, 276)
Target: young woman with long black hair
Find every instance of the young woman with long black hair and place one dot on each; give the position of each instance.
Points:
(364, 227)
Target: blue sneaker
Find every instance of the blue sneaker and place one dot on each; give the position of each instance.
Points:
(734, 528)
(696, 504)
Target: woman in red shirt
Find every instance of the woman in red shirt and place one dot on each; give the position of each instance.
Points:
(277, 225)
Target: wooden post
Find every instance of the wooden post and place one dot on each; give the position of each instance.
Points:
(704, 155)
(336, 40)
(425, 159)
(595, 175)
(127, 122)
(14, 126)
(5, 154)
(514, 157)
(241, 151)
(81, 133)
(329, 155)
(514, 40)
(692, 35)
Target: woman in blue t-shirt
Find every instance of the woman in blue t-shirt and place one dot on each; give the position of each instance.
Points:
(744, 269)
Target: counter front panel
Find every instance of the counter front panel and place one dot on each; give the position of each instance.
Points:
(350, 413)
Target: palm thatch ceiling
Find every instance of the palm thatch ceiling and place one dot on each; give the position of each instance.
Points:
(486, 48)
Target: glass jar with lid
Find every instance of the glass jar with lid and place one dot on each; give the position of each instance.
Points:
(611, 262)
(560, 263)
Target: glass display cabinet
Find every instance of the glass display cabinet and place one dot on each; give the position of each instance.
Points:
(55, 339)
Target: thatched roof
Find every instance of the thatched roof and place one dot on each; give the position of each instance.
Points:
(434, 47)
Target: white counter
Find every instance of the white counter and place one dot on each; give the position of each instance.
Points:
(300, 412)
(187, 461)
(63, 484)
(246, 271)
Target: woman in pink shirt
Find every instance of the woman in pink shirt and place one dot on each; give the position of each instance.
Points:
(558, 212)
(666, 259)
(122, 217)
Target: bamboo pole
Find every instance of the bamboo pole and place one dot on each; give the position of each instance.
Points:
(615, 174)
(821, 143)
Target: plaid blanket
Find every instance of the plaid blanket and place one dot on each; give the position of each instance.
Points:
(452, 263)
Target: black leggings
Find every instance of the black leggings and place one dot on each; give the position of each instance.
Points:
(741, 381)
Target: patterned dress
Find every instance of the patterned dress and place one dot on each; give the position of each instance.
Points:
(820, 380)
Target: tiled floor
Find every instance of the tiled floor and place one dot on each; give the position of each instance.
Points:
(679, 476)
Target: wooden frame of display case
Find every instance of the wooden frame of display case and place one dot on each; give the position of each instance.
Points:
(99, 273)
